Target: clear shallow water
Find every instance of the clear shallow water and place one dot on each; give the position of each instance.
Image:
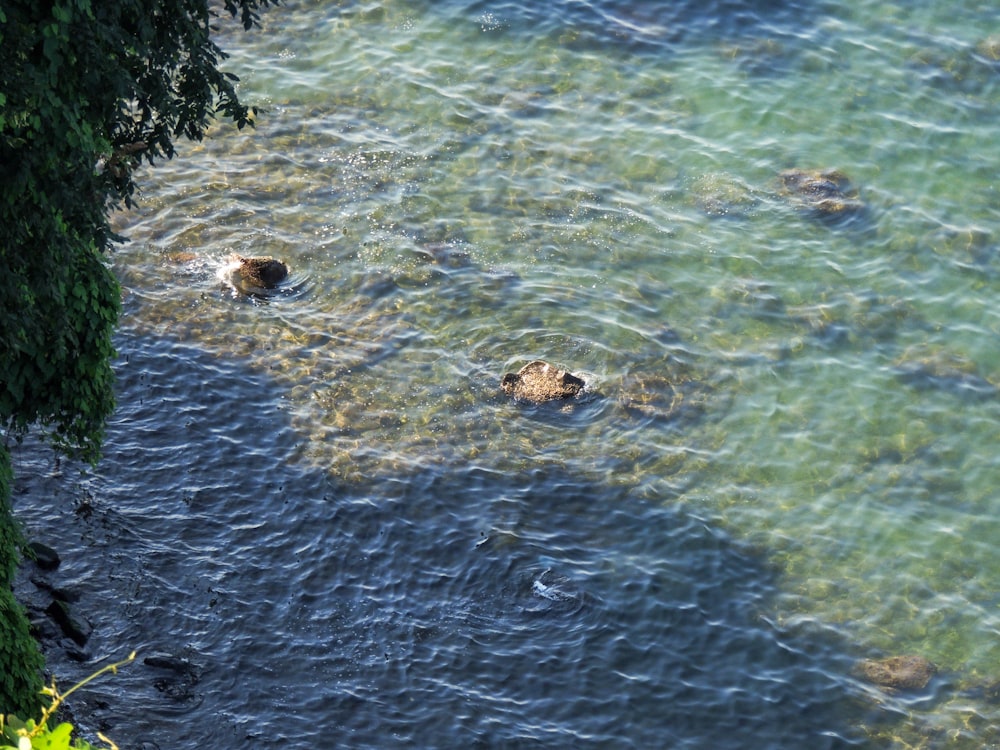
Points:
(785, 460)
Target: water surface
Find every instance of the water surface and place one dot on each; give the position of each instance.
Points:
(784, 460)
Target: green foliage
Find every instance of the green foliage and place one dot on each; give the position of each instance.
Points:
(11, 540)
(87, 89)
(20, 659)
(26, 735)
(36, 735)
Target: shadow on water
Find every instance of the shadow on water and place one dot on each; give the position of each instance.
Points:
(460, 607)
(580, 617)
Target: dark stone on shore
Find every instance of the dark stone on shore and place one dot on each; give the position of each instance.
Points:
(78, 654)
(43, 628)
(264, 272)
(539, 382)
(54, 622)
(44, 556)
(826, 193)
(908, 672)
(55, 592)
(72, 625)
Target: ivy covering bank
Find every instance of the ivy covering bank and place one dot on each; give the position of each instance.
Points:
(88, 90)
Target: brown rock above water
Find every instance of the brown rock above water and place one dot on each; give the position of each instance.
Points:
(540, 381)
(264, 272)
(909, 672)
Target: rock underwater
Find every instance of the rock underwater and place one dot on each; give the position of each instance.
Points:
(539, 382)
(825, 193)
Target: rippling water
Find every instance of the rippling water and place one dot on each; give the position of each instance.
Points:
(784, 461)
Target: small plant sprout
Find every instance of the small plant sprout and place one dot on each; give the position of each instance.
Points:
(32, 735)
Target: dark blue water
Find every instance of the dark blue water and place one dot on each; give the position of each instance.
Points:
(459, 607)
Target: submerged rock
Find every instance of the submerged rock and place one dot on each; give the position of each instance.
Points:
(928, 368)
(182, 256)
(180, 676)
(757, 56)
(719, 194)
(989, 48)
(824, 193)
(908, 672)
(452, 255)
(264, 272)
(540, 381)
(663, 399)
(969, 69)
(850, 318)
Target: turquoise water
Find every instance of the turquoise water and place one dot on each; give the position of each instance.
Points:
(785, 460)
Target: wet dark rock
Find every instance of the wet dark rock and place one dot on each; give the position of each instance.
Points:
(54, 591)
(172, 663)
(78, 654)
(54, 622)
(72, 625)
(43, 628)
(44, 556)
(264, 272)
(908, 672)
(540, 381)
(823, 193)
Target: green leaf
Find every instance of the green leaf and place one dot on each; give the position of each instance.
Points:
(61, 14)
(56, 739)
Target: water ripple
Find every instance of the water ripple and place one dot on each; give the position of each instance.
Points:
(323, 501)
